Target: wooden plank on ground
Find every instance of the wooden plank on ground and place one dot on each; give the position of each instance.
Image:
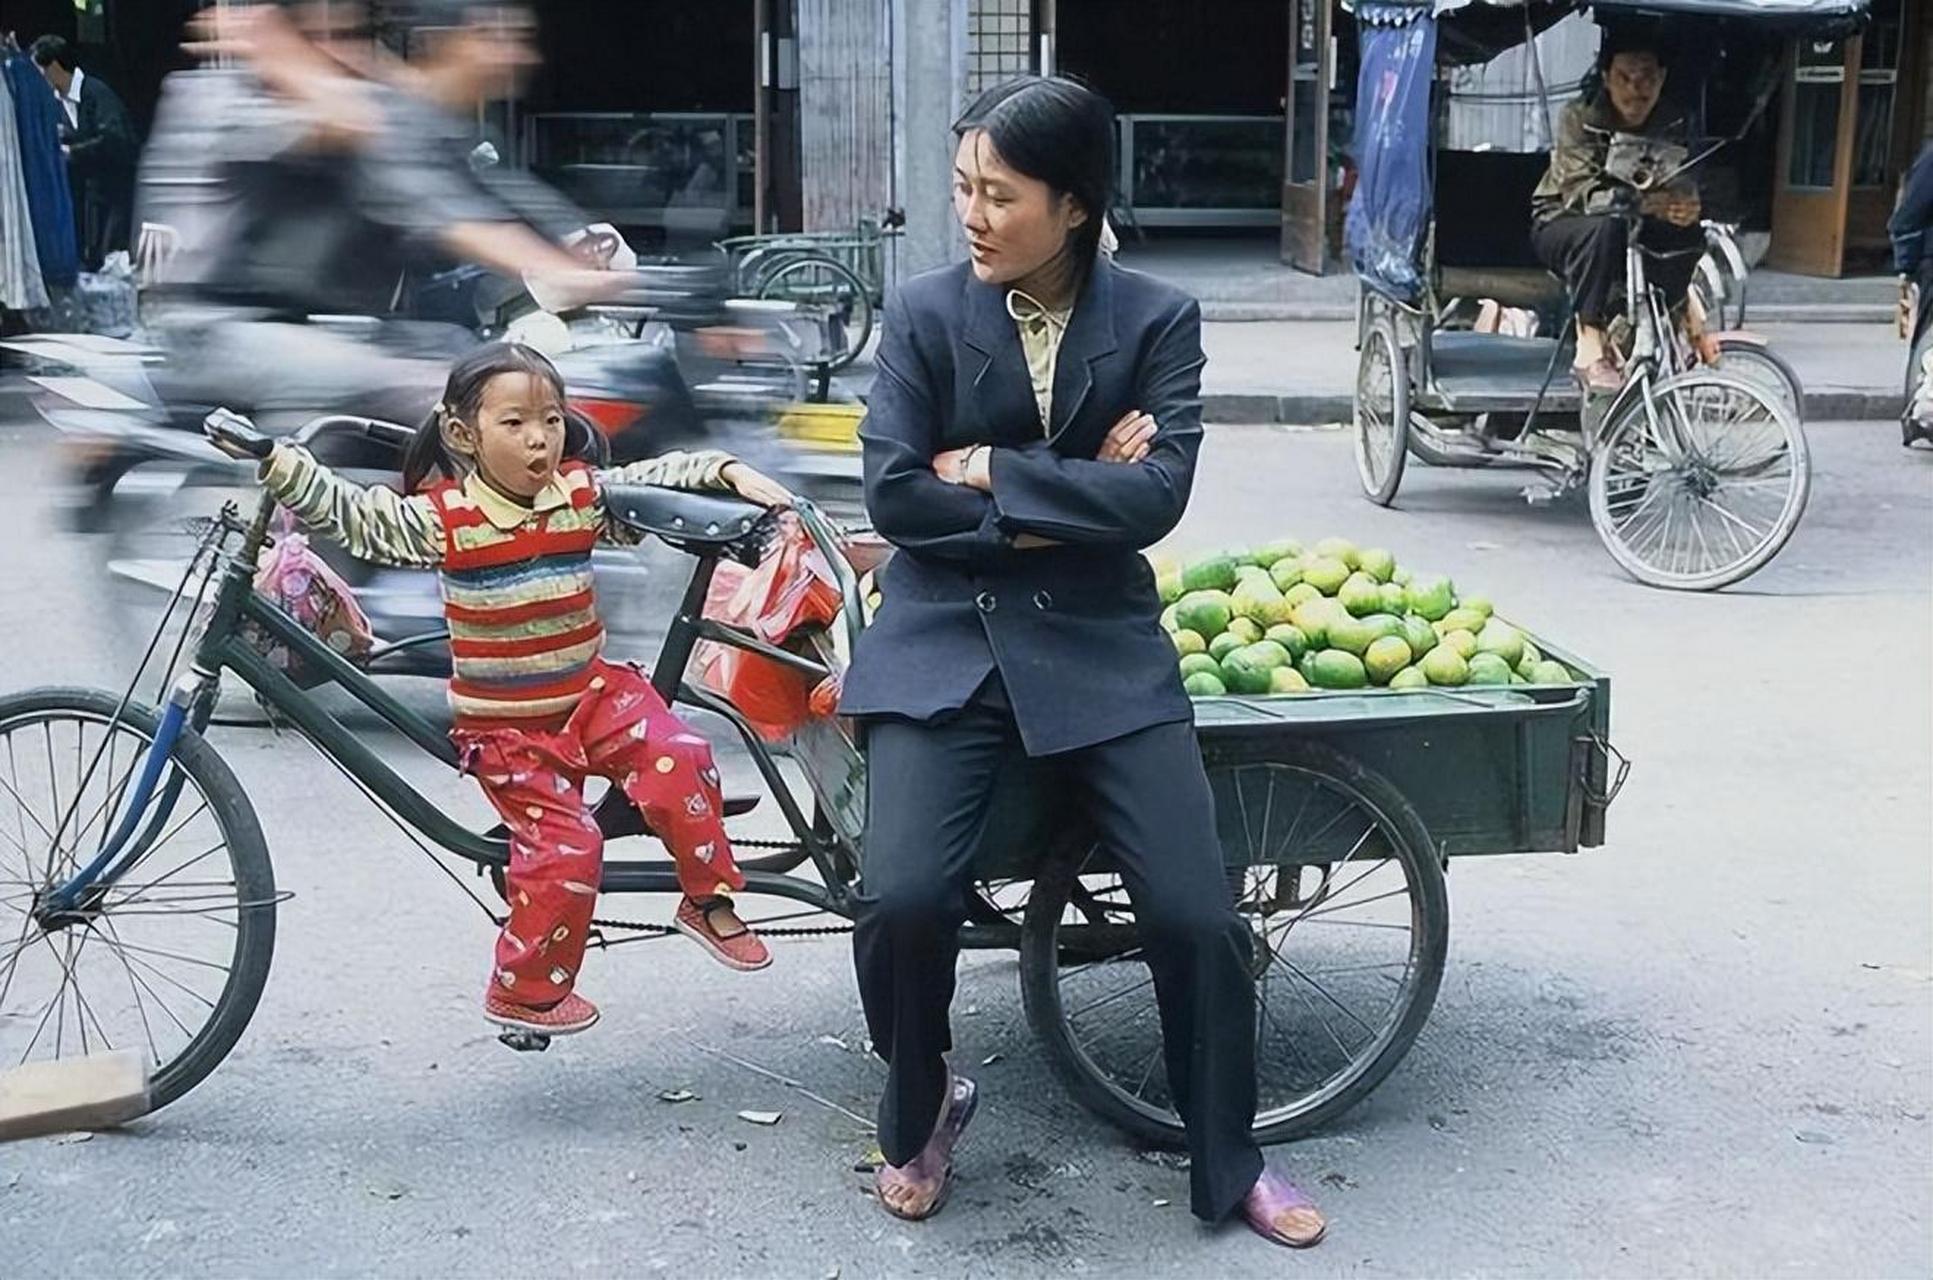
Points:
(93, 1092)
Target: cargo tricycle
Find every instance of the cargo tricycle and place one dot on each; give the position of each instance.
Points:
(139, 904)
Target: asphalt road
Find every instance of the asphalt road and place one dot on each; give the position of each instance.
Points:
(1703, 1049)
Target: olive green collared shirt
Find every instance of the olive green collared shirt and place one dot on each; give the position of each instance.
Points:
(1576, 182)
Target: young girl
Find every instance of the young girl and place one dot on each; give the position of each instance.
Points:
(509, 520)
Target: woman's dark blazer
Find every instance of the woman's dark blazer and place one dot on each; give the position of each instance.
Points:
(1074, 628)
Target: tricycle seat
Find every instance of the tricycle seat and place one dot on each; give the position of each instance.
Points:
(690, 521)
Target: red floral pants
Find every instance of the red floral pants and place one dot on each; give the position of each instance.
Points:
(621, 731)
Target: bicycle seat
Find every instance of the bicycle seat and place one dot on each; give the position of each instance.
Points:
(695, 522)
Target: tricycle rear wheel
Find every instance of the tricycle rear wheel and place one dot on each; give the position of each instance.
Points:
(1339, 882)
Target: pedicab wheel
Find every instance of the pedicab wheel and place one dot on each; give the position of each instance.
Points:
(1336, 879)
(169, 958)
(1382, 413)
(1698, 484)
(828, 284)
(1766, 369)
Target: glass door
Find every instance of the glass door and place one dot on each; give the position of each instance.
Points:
(1815, 158)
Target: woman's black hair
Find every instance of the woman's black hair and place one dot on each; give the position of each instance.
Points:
(428, 456)
(1059, 132)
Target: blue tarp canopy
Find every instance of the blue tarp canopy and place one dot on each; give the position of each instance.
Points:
(1390, 211)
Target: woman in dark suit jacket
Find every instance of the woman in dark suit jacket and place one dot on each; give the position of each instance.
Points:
(1034, 426)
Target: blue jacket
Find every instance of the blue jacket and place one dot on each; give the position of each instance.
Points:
(1074, 629)
(37, 115)
(1912, 222)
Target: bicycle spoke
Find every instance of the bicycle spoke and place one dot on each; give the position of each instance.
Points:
(1316, 1013)
(156, 995)
(1147, 1074)
(1241, 804)
(1324, 897)
(163, 879)
(1295, 825)
(1652, 491)
(1351, 906)
(180, 826)
(20, 803)
(172, 955)
(1757, 534)
(1110, 999)
(53, 785)
(140, 1006)
(1075, 973)
(1359, 968)
(12, 962)
(1121, 1016)
(1323, 991)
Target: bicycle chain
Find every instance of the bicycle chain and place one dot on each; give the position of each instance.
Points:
(795, 931)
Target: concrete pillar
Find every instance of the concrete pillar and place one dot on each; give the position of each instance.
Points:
(845, 112)
(929, 39)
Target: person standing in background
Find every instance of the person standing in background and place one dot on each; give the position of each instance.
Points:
(101, 151)
(1911, 229)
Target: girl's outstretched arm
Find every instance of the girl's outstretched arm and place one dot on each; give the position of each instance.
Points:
(373, 523)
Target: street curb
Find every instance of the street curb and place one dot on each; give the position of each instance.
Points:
(1829, 404)
(1763, 313)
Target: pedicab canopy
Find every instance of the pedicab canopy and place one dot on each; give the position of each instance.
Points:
(1403, 42)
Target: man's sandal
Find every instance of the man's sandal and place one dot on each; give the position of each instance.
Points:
(917, 1190)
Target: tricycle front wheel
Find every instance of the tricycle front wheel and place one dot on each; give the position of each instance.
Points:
(1338, 881)
(168, 958)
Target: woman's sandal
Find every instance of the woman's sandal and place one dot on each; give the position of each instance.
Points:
(917, 1190)
(1282, 1213)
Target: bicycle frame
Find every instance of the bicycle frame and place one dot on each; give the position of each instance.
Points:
(1653, 352)
(224, 645)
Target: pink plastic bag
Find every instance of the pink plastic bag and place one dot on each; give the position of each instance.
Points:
(294, 578)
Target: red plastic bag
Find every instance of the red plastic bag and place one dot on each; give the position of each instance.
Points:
(792, 588)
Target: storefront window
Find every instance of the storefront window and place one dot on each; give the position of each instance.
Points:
(1879, 53)
(1205, 162)
(685, 171)
(1821, 76)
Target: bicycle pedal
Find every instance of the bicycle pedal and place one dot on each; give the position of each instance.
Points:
(525, 1041)
(1538, 495)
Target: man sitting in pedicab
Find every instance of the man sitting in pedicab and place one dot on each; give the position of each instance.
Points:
(1580, 209)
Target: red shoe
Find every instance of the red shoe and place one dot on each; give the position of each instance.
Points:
(742, 950)
(567, 1017)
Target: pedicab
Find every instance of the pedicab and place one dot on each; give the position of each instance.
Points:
(1696, 476)
(139, 904)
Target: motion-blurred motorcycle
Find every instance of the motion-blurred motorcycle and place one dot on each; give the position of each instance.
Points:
(672, 363)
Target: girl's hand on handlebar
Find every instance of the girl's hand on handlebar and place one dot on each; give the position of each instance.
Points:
(754, 486)
(236, 436)
(1129, 439)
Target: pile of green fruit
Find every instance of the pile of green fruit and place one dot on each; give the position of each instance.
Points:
(1286, 619)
